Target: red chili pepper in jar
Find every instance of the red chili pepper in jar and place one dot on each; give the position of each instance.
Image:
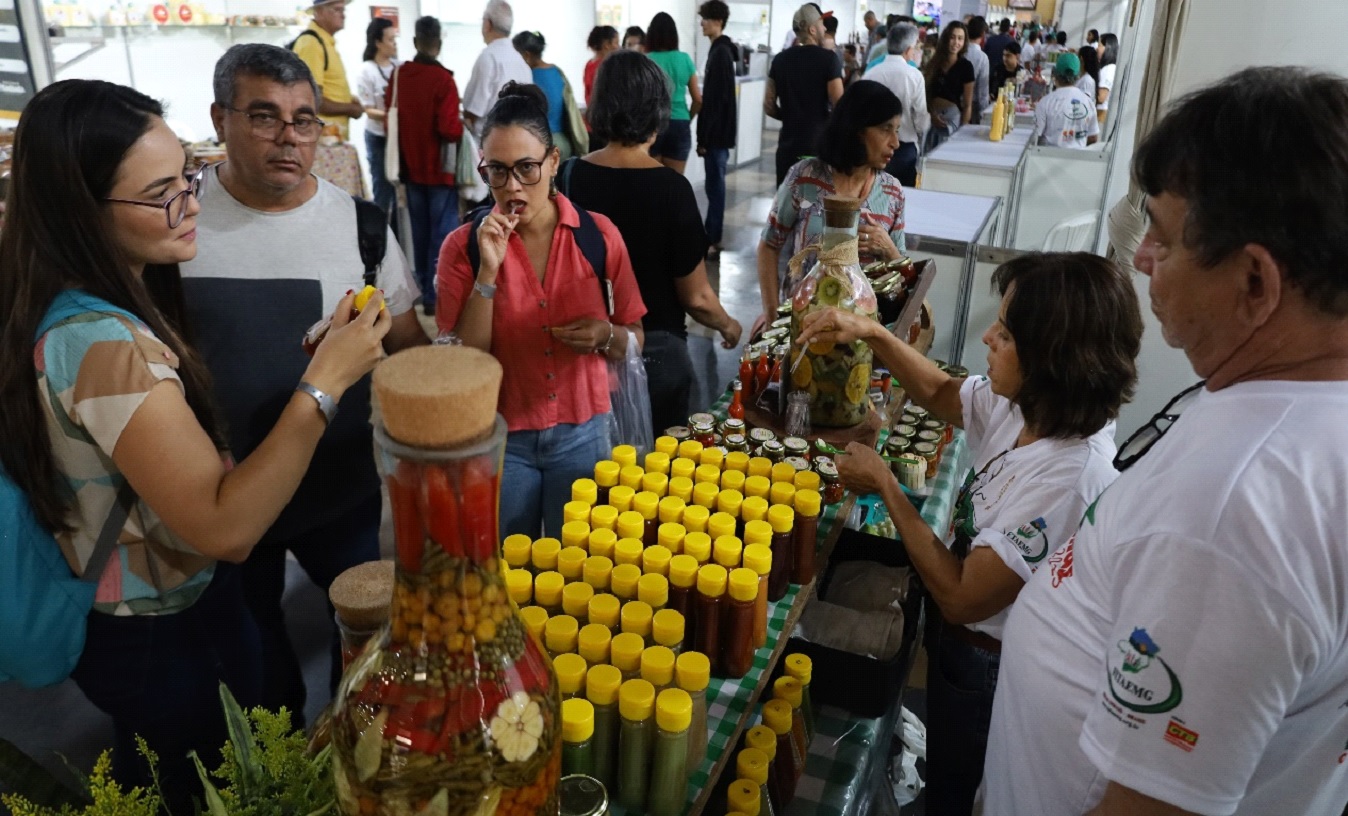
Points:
(441, 510)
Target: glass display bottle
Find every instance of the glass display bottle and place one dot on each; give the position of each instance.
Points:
(836, 376)
(692, 673)
(669, 757)
(456, 709)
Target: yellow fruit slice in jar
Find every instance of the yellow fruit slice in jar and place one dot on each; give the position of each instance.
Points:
(804, 373)
(858, 382)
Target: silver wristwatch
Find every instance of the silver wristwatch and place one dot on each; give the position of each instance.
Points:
(326, 403)
(486, 290)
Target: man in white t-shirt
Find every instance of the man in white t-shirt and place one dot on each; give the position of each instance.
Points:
(1187, 651)
(1066, 117)
(277, 248)
(906, 82)
(498, 64)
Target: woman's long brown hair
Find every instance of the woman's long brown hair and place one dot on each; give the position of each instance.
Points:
(71, 141)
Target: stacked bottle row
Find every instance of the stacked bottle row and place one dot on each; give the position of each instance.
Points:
(773, 758)
(640, 738)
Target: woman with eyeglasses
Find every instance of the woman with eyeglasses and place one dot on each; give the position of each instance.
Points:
(1040, 427)
(110, 424)
(521, 283)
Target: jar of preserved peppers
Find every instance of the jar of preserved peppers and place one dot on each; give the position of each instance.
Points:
(832, 489)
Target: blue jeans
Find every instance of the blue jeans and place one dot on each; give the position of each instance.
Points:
(158, 676)
(960, 682)
(434, 210)
(715, 162)
(324, 553)
(374, 151)
(539, 469)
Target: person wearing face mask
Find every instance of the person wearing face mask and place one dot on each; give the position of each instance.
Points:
(898, 75)
(858, 142)
(111, 425)
(518, 282)
(1040, 427)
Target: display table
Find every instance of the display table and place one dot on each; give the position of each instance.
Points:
(951, 225)
(971, 163)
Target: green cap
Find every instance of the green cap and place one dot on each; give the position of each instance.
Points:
(1068, 66)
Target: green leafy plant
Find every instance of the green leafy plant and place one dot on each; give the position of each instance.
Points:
(103, 795)
(267, 769)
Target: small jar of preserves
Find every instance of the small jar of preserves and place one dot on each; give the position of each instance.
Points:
(680, 433)
(933, 438)
(733, 426)
(758, 436)
(704, 433)
(828, 474)
(772, 450)
(800, 463)
(795, 446)
(906, 431)
(918, 412)
(736, 443)
(927, 450)
(700, 418)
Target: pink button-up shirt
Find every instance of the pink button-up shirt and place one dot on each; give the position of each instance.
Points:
(545, 383)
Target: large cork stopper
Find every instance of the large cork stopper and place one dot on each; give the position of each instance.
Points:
(362, 595)
(840, 212)
(438, 396)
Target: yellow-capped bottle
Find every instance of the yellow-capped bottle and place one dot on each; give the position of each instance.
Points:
(601, 689)
(577, 737)
(605, 610)
(560, 633)
(668, 627)
(518, 551)
(692, 672)
(520, 585)
(576, 600)
(592, 643)
(625, 653)
(570, 669)
(669, 757)
(999, 117)
(571, 563)
(598, 572)
(653, 590)
(585, 490)
(623, 581)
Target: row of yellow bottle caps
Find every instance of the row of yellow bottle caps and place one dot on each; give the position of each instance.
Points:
(637, 698)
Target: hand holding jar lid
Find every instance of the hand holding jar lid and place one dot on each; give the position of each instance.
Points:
(601, 542)
(670, 535)
(584, 490)
(653, 589)
(603, 517)
(623, 581)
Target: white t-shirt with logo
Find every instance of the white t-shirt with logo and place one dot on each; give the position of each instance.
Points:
(1065, 118)
(1189, 642)
(1023, 502)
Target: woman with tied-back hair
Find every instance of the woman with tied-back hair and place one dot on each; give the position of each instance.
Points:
(111, 405)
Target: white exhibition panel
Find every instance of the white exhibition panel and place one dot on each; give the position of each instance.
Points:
(984, 306)
(948, 228)
(972, 164)
(1056, 183)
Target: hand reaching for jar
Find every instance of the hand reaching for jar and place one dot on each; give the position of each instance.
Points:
(833, 325)
(862, 470)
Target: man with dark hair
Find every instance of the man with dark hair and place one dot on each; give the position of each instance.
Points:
(994, 45)
(973, 52)
(316, 46)
(718, 121)
(804, 83)
(907, 83)
(1006, 70)
(1187, 651)
(428, 116)
(276, 250)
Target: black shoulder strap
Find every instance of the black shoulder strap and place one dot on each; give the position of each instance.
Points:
(588, 238)
(310, 32)
(371, 236)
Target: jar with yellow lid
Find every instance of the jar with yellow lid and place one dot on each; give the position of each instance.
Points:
(727, 551)
(695, 518)
(698, 545)
(670, 535)
(592, 643)
(681, 488)
(624, 455)
(606, 473)
(570, 670)
(601, 689)
(604, 610)
(682, 468)
(575, 511)
(620, 497)
(625, 653)
(520, 585)
(636, 619)
(732, 480)
(704, 494)
(668, 627)
(623, 580)
(667, 445)
(653, 590)
(571, 562)
(692, 673)
(636, 705)
(577, 737)
(518, 551)
(560, 633)
(544, 554)
(548, 591)
(758, 557)
(576, 600)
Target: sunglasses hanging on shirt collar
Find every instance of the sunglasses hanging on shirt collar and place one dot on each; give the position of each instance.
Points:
(1148, 435)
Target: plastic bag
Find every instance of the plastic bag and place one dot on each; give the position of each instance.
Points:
(630, 421)
(903, 774)
(470, 184)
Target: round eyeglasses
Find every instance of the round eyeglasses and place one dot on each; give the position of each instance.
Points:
(527, 171)
(175, 208)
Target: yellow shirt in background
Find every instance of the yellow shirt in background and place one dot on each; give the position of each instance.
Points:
(331, 81)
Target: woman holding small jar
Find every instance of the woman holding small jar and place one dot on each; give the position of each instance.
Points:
(534, 302)
(1040, 426)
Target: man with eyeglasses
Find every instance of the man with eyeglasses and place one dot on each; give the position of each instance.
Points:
(1187, 651)
(318, 48)
(276, 249)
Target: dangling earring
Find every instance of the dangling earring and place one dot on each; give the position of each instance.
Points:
(552, 187)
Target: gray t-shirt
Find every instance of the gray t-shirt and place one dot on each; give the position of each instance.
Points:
(259, 281)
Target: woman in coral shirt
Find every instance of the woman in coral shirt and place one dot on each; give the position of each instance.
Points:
(535, 303)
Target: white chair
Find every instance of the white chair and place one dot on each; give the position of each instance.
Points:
(1072, 234)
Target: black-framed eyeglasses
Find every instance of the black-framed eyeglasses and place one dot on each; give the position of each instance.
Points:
(270, 126)
(175, 208)
(1148, 435)
(526, 171)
